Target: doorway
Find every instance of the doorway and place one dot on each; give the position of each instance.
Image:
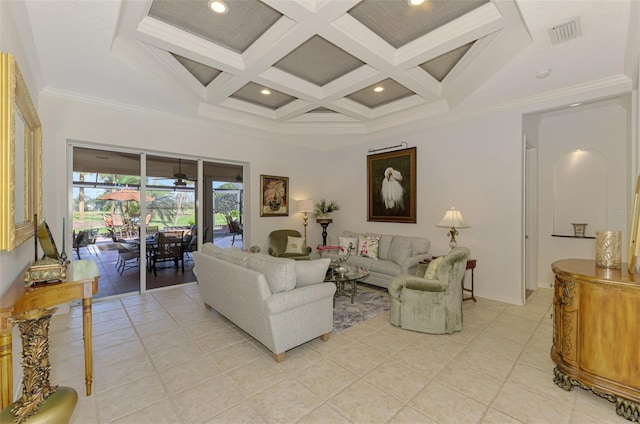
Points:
(124, 202)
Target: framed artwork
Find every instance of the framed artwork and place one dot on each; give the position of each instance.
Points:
(274, 192)
(391, 185)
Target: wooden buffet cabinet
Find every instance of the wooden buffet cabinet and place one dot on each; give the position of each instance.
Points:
(596, 332)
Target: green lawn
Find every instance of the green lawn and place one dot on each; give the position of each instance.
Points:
(94, 219)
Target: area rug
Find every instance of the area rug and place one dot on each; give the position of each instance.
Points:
(367, 304)
(107, 247)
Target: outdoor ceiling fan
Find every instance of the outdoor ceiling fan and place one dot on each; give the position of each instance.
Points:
(181, 179)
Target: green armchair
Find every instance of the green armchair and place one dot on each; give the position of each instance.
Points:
(278, 245)
(430, 303)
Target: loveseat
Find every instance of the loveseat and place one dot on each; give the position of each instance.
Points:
(280, 302)
(384, 255)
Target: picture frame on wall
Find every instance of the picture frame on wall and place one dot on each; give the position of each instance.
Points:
(274, 195)
(391, 186)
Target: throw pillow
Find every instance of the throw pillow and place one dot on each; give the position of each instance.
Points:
(280, 273)
(344, 242)
(235, 256)
(432, 269)
(294, 244)
(368, 246)
(311, 272)
(400, 249)
(384, 247)
(211, 249)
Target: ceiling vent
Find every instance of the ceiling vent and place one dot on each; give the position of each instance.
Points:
(565, 31)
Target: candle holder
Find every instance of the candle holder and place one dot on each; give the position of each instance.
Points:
(608, 249)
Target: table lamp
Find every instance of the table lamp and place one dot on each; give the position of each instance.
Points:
(305, 207)
(453, 219)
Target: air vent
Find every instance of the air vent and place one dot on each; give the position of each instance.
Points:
(565, 32)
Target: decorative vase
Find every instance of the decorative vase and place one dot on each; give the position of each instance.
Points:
(579, 229)
(322, 216)
(608, 248)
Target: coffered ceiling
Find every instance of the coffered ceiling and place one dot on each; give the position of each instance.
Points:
(278, 64)
(323, 61)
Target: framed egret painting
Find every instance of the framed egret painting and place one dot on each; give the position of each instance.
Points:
(391, 185)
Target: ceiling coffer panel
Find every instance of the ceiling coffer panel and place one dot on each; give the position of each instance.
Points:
(252, 93)
(203, 73)
(318, 61)
(243, 24)
(439, 67)
(317, 55)
(392, 91)
(398, 23)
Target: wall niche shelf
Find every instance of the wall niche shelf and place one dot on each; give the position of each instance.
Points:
(575, 237)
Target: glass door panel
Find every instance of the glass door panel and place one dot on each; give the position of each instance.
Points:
(170, 187)
(106, 205)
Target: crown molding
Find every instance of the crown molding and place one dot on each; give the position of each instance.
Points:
(428, 115)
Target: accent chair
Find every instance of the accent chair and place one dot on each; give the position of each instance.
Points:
(431, 300)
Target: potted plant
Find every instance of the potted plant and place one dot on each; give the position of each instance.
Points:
(324, 208)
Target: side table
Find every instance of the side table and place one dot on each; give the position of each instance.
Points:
(324, 223)
(471, 264)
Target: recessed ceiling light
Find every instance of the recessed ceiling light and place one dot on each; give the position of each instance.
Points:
(378, 89)
(218, 6)
(575, 104)
(415, 2)
(265, 91)
(543, 74)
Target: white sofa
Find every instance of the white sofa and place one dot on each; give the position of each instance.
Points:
(280, 302)
(396, 255)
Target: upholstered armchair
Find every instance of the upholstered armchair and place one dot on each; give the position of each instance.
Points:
(430, 301)
(288, 244)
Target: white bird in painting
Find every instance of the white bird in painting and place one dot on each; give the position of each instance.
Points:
(392, 191)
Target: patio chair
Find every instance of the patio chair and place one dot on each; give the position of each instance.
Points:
(119, 225)
(235, 228)
(169, 249)
(79, 240)
(128, 257)
(114, 237)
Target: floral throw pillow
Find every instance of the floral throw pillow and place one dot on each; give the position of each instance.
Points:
(368, 246)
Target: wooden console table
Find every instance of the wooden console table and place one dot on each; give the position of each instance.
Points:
(81, 283)
(595, 328)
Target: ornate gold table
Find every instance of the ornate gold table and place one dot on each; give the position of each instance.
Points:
(596, 323)
(81, 283)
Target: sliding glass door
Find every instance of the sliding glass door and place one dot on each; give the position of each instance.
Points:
(135, 214)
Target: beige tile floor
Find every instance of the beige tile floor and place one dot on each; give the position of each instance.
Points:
(163, 358)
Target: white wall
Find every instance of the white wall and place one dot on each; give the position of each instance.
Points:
(475, 165)
(603, 131)
(13, 263)
(67, 120)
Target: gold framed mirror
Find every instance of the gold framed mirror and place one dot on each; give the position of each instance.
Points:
(21, 163)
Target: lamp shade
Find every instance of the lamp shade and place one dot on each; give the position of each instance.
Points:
(305, 205)
(453, 218)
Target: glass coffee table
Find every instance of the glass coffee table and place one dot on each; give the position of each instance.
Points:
(349, 275)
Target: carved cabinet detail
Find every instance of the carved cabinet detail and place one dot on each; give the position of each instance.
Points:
(596, 325)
